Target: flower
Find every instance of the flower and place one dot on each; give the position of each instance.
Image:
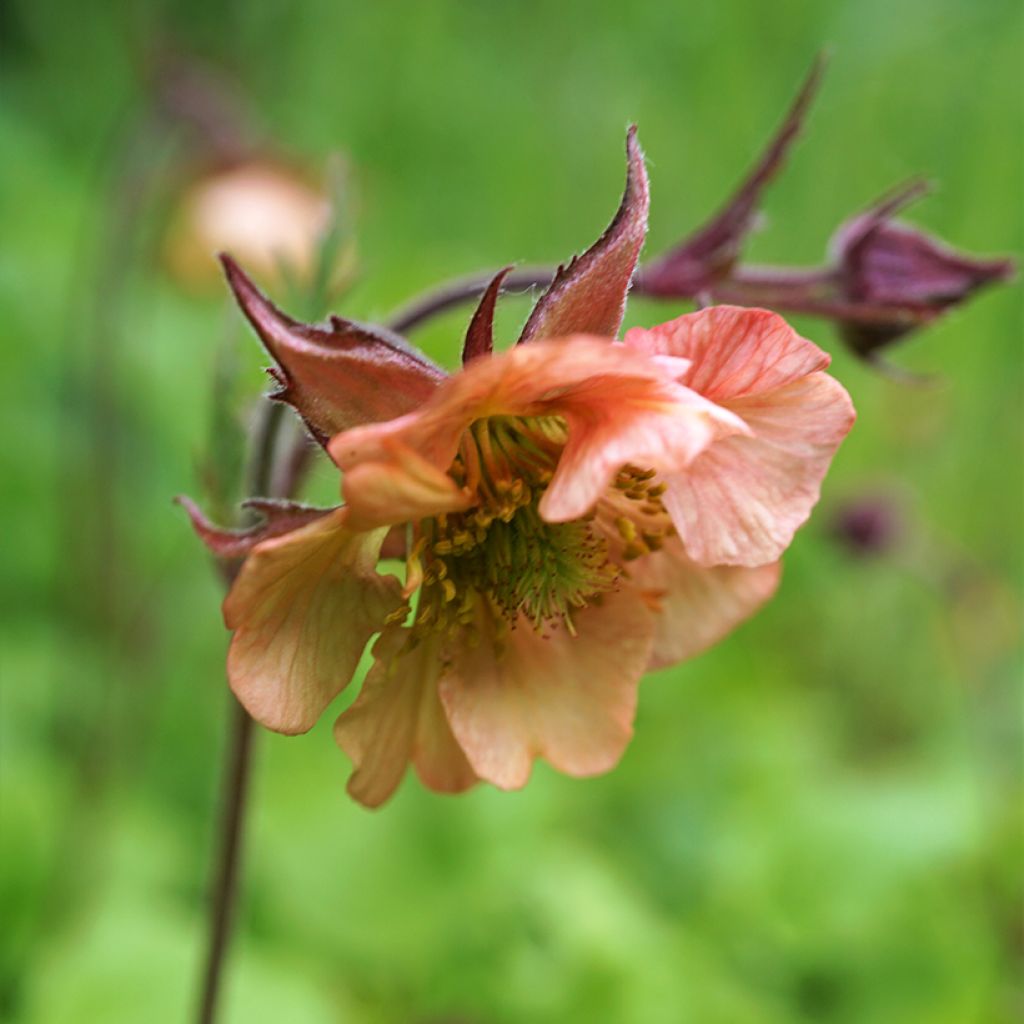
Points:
(573, 512)
(257, 207)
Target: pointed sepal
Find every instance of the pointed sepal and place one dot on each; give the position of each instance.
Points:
(589, 295)
(710, 252)
(337, 378)
(480, 336)
(277, 518)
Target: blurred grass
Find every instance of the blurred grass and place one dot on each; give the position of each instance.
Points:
(817, 821)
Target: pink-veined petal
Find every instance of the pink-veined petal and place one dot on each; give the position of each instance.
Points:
(655, 425)
(733, 351)
(336, 378)
(517, 695)
(741, 500)
(302, 609)
(698, 606)
(398, 718)
(620, 406)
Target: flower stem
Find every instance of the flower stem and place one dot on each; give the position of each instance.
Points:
(238, 752)
(455, 293)
(786, 290)
(225, 891)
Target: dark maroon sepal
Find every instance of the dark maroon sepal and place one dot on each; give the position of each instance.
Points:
(589, 295)
(480, 336)
(277, 517)
(710, 252)
(337, 378)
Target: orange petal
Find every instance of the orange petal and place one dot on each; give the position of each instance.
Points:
(399, 489)
(699, 606)
(741, 501)
(620, 405)
(302, 608)
(518, 695)
(589, 296)
(654, 424)
(734, 351)
(398, 718)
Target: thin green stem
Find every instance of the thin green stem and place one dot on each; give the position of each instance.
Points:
(238, 760)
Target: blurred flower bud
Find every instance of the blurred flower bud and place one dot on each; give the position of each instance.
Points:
(867, 527)
(883, 263)
(264, 212)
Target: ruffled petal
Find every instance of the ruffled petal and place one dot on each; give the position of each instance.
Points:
(302, 608)
(399, 489)
(517, 695)
(340, 377)
(589, 295)
(398, 718)
(734, 352)
(698, 606)
(620, 406)
(655, 425)
(741, 501)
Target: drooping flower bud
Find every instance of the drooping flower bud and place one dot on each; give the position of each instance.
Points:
(884, 263)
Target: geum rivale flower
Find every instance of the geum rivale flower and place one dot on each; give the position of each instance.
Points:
(573, 512)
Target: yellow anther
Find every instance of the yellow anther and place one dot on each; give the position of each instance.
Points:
(626, 528)
(634, 549)
(656, 491)
(443, 547)
(449, 591)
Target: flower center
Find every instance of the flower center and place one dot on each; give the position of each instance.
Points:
(501, 550)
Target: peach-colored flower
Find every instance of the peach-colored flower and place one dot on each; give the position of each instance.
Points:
(262, 210)
(575, 511)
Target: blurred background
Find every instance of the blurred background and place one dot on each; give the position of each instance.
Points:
(819, 820)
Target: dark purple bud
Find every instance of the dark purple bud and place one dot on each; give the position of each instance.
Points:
(867, 527)
(883, 263)
(710, 252)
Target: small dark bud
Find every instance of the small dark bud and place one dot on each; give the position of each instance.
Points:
(867, 527)
(884, 263)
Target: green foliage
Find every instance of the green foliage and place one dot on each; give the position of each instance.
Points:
(817, 821)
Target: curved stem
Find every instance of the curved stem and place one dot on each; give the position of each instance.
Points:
(788, 290)
(457, 292)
